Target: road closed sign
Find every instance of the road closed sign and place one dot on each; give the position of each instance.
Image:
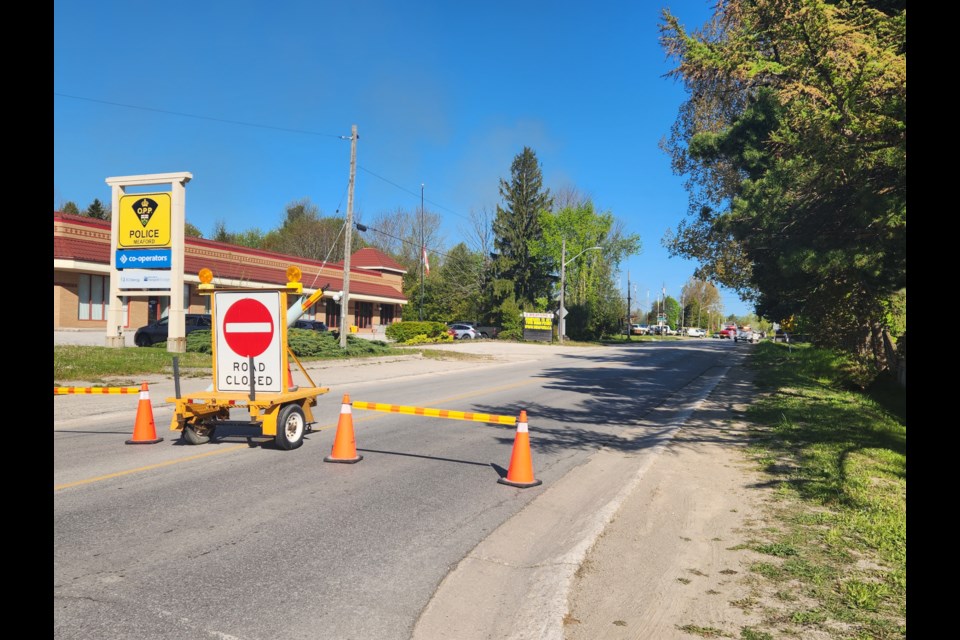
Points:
(249, 325)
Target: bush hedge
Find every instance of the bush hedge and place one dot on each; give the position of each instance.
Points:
(408, 332)
(307, 343)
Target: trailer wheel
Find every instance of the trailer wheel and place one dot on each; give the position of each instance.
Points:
(197, 433)
(291, 425)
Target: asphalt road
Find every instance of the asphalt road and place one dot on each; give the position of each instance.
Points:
(240, 540)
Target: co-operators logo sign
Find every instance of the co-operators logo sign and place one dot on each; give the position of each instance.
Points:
(143, 258)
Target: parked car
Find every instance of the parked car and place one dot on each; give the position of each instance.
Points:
(462, 331)
(157, 331)
(746, 335)
(663, 330)
(488, 331)
(313, 325)
(730, 331)
(694, 332)
(638, 329)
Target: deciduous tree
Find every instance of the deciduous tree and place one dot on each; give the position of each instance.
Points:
(793, 142)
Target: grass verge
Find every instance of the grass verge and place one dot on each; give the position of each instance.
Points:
(96, 365)
(836, 563)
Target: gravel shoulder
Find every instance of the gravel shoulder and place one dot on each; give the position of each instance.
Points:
(669, 564)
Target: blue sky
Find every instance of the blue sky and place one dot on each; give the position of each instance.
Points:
(252, 97)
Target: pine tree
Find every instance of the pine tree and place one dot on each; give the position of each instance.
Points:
(97, 210)
(516, 228)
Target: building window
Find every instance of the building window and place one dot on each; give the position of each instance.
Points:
(92, 293)
(386, 314)
(364, 315)
(333, 314)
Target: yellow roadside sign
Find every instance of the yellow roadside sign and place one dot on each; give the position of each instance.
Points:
(145, 221)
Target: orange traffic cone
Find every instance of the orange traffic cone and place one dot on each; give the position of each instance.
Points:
(144, 429)
(344, 445)
(520, 473)
(290, 385)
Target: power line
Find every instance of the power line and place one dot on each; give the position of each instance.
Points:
(417, 195)
(198, 117)
(257, 126)
(413, 244)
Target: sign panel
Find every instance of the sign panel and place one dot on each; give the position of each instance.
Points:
(145, 221)
(144, 279)
(538, 326)
(249, 324)
(143, 258)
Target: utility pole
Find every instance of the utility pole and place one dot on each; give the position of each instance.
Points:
(629, 324)
(423, 254)
(562, 324)
(563, 281)
(345, 300)
(682, 311)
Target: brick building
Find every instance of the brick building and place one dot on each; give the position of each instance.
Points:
(81, 280)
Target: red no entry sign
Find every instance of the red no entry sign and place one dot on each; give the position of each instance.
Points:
(248, 327)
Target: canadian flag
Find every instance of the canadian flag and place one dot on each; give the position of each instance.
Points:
(426, 262)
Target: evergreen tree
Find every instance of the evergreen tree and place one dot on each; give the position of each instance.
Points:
(97, 210)
(793, 141)
(516, 229)
(71, 208)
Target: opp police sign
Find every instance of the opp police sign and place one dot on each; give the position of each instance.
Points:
(145, 221)
(249, 324)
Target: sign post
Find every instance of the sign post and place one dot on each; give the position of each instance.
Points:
(146, 232)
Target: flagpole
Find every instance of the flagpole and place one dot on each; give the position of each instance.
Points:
(423, 253)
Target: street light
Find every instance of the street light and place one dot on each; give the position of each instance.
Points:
(563, 277)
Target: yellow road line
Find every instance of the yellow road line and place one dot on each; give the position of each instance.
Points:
(149, 467)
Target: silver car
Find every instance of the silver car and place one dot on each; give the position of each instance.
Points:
(462, 332)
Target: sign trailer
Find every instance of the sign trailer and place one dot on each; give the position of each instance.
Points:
(251, 366)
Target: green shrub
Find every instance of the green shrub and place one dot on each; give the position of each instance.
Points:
(423, 339)
(307, 343)
(198, 342)
(406, 331)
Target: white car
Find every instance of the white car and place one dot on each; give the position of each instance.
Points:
(693, 332)
(746, 336)
(462, 332)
